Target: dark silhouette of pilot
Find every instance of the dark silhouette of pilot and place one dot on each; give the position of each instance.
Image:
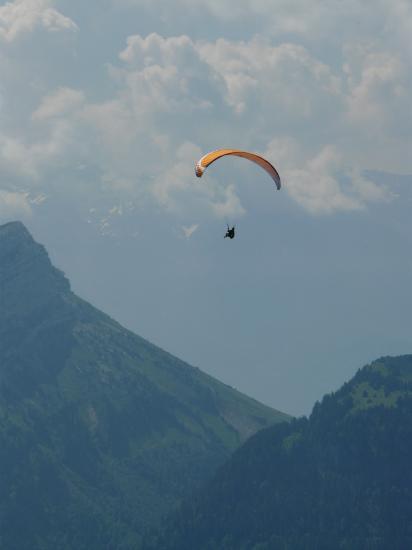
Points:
(230, 232)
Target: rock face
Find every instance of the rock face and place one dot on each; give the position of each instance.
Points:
(341, 479)
(101, 432)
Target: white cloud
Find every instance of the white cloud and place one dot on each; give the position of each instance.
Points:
(379, 86)
(278, 84)
(324, 184)
(50, 139)
(316, 185)
(59, 102)
(228, 205)
(177, 177)
(189, 230)
(30, 159)
(13, 205)
(367, 190)
(165, 75)
(22, 16)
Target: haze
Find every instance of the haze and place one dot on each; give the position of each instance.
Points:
(105, 107)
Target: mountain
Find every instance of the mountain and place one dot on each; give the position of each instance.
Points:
(101, 432)
(340, 479)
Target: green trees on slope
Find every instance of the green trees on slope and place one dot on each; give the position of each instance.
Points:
(340, 479)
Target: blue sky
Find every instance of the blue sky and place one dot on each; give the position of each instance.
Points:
(104, 108)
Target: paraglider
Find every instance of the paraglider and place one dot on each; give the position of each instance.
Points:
(211, 157)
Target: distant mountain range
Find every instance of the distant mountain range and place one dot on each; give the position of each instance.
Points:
(101, 432)
(340, 480)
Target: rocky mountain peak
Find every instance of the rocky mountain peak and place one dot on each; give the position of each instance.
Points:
(27, 277)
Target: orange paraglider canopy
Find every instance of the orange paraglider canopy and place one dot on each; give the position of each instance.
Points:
(209, 158)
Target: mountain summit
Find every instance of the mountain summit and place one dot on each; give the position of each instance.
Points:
(101, 432)
(27, 278)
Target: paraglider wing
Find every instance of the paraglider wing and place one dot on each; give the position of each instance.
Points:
(208, 159)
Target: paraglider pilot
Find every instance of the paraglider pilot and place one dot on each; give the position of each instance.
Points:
(230, 232)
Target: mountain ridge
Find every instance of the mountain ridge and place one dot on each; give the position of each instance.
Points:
(93, 412)
(338, 479)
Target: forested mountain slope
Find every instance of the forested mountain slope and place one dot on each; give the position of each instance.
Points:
(101, 432)
(341, 479)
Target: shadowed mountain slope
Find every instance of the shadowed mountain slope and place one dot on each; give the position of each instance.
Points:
(101, 432)
(341, 479)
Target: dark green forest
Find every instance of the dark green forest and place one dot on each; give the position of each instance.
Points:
(101, 432)
(340, 479)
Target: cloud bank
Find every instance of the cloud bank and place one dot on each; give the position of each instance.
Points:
(23, 16)
(323, 101)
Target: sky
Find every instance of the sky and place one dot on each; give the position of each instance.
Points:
(105, 106)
